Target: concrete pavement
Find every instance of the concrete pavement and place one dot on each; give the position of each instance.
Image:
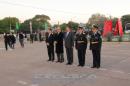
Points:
(29, 67)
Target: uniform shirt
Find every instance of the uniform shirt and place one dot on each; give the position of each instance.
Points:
(81, 41)
(95, 37)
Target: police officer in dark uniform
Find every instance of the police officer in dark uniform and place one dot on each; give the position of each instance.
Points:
(59, 45)
(81, 46)
(95, 46)
(50, 45)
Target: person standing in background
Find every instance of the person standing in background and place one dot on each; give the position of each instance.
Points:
(13, 40)
(21, 39)
(40, 37)
(6, 41)
(69, 44)
(31, 38)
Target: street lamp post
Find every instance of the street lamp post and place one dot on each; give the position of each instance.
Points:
(30, 27)
(10, 24)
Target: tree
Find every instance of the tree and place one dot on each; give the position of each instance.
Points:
(38, 23)
(8, 22)
(73, 25)
(63, 26)
(125, 19)
(97, 19)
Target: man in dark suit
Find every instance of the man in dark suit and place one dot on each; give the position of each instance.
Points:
(59, 45)
(81, 46)
(50, 45)
(69, 44)
(13, 41)
(6, 41)
(21, 39)
(95, 46)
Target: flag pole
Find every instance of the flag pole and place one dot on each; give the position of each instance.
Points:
(30, 27)
(10, 24)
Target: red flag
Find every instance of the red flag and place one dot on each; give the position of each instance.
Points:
(107, 27)
(118, 29)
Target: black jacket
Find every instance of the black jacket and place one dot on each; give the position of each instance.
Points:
(13, 39)
(6, 39)
(59, 42)
(81, 41)
(21, 36)
(50, 39)
(95, 38)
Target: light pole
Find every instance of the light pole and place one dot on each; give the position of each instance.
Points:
(30, 27)
(10, 24)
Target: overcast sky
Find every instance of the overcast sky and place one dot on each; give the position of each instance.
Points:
(63, 10)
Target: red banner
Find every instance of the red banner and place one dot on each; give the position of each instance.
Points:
(107, 27)
(118, 29)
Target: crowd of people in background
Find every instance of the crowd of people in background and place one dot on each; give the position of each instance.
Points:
(10, 39)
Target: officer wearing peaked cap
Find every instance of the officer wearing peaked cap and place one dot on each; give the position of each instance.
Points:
(81, 45)
(95, 46)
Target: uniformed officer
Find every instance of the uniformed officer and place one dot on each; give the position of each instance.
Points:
(50, 45)
(81, 46)
(95, 46)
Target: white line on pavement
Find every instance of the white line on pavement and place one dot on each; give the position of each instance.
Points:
(34, 85)
(22, 82)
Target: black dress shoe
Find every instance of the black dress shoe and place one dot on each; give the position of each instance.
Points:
(82, 65)
(68, 64)
(57, 61)
(97, 67)
(78, 65)
(93, 67)
(52, 60)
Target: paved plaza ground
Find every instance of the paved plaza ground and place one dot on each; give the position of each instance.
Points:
(29, 67)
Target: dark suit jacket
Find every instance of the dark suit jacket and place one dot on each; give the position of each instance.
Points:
(59, 42)
(50, 40)
(69, 40)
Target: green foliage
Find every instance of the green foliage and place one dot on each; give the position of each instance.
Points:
(63, 26)
(125, 19)
(73, 25)
(6, 22)
(38, 23)
(97, 19)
